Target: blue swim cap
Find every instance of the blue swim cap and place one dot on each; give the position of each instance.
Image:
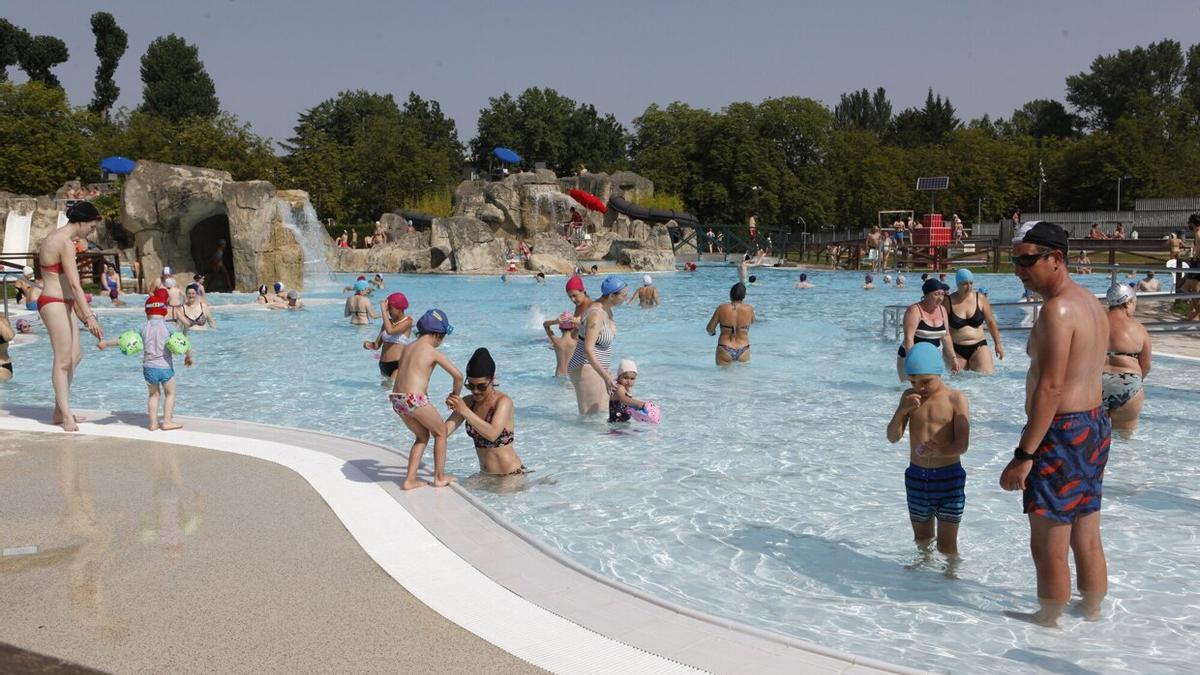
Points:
(361, 285)
(923, 359)
(612, 284)
(434, 321)
(963, 276)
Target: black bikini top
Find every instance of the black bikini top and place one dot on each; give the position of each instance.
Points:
(974, 321)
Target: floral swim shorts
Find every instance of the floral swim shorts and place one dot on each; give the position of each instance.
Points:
(405, 403)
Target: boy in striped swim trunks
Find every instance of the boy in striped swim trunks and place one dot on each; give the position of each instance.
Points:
(939, 430)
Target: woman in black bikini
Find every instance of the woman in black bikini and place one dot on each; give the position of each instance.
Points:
(6, 335)
(194, 314)
(970, 346)
(734, 318)
(489, 416)
(925, 321)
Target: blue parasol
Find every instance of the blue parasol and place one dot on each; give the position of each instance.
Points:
(118, 165)
(507, 156)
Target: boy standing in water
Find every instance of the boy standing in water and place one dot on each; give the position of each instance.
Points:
(410, 396)
(935, 480)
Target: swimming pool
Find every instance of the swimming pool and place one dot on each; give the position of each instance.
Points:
(768, 494)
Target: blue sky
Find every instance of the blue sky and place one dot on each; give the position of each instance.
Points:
(272, 59)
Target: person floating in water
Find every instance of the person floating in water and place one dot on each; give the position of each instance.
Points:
(410, 396)
(804, 282)
(938, 424)
(647, 295)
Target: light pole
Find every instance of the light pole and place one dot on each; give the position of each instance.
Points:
(1119, 179)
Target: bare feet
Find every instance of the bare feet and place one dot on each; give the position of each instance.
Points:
(171, 426)
(412, 484)
(154, 426)
(444, 481)
(58, 419)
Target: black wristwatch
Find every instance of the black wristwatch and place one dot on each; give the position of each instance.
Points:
(1020, 454)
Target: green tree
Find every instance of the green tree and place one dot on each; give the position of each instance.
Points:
(669, 147)
(111, 43)
(216, 142)
(543, 125)
(12, 40)
(39, 54)
(1040, 118)
(175, 83)
(863, 110)
(929, 124)
(1138, 81)
(42, 141)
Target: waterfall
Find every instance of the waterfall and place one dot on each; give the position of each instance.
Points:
(549, 203)
(310, 232)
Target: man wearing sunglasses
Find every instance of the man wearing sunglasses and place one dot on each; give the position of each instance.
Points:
(1060, 458)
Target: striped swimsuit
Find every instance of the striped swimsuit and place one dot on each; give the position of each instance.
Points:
(604, 340)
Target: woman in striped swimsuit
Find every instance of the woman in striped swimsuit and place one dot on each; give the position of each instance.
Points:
(590, 364)
(926, 321)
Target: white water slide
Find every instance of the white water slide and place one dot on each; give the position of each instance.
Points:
(16, 239)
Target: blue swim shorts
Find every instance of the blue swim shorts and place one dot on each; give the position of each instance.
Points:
(937, 492)
(157, 375)
(1067, 477)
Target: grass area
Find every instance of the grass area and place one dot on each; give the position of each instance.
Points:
(439, 203)
(664, 200)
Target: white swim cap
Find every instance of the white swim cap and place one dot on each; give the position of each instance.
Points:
(171, 283)
(27, 272)
(647, 280)
(1119, 294)
(626, 366)
(166, 271)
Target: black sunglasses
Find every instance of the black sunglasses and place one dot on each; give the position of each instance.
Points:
(478, 386)
(1029, 259)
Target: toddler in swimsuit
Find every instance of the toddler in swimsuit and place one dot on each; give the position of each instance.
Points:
(935, 480)
(410, 398)
(621, 400)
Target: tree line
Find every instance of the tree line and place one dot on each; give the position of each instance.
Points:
(1134, 115)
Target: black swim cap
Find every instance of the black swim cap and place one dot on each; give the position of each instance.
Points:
(481, 364)
(82, 212)
(738, 292)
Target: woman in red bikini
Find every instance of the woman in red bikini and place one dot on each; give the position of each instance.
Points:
(60, 287)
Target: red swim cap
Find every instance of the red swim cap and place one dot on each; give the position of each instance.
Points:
(398, 301)
(361, 278)
(575, 284)
(156, 304)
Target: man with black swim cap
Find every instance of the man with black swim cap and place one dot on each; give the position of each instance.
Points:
(1060, 458)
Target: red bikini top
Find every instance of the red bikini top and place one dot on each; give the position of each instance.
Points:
(53, 267)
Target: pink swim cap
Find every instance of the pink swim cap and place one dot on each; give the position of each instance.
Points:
(566, 321)
(575, 284)
(398, 301)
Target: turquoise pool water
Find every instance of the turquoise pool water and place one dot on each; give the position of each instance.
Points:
(769, 493)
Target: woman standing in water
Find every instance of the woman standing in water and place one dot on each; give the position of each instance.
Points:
(970, 346)
(489, 416)
(195, 314)
(392, 338)
(62, 296)
(1128, 361)
(734, 318)
(592, 361)
(926, 321)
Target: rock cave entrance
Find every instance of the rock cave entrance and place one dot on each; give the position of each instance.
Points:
(205, 236)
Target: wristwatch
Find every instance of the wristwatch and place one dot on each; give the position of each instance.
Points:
(1020, 454)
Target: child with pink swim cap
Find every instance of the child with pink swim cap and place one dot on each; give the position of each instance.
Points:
(563, 344)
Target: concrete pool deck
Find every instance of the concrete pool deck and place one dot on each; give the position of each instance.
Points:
(177, 556)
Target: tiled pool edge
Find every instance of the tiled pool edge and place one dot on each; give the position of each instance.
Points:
(667, 636)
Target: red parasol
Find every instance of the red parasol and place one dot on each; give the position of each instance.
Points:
(591, 201)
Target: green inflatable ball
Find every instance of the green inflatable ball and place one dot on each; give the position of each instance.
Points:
(130, 342)
(178, 343)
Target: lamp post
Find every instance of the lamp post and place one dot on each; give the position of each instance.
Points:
(1119, 179)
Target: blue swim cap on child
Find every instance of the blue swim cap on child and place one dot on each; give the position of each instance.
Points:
(923, 359)
(361, 285)
(278, 286)
(612, 284)
(963, 276)
(434, 321)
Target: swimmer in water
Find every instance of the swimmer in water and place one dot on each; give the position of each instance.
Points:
(195, 315)
(621, 398)
(410, 396)
(887, 280)
(392, 338)
(358, 306)
(564, 344)
(110, 281)
(647, 295)
(939, 432)
(540, 277)
(734, 319)
(377, 281)
(868, 282)
(489, 416)
(804, 282)
(900, 281)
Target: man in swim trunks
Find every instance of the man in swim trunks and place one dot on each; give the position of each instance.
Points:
(1059, 461)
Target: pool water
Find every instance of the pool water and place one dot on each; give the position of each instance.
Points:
(769, 493)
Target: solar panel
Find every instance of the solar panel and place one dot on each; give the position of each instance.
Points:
(933, 183)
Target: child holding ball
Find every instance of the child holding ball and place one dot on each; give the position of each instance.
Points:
(157, 345)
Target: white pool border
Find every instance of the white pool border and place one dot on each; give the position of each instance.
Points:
(476, 569)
